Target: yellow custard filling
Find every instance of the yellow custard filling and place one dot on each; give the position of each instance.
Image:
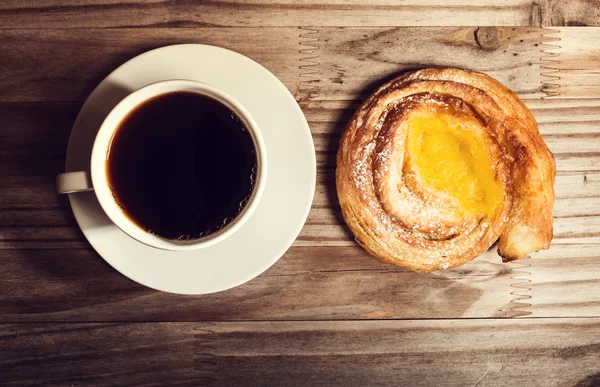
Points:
(449, 156)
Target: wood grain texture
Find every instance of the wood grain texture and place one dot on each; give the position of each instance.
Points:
(279, 13)
(383, 353)
(564, 282)
(291, 13)
(97, 355)
(411, 353)
(67, 318)
(572, 64)
(348, 63)
(42, 65)
(571, 13)
(308, 283)
(45, 65)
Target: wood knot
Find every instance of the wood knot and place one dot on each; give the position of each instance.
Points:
(488, 38)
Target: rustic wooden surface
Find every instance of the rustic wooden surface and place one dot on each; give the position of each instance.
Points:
(284, 13)
(326, 313)
(556, 352)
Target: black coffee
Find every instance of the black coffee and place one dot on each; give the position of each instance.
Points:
(182, 165)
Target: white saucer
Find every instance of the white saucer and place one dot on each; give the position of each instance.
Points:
(284, 205)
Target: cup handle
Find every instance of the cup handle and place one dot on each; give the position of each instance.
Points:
(70, 182)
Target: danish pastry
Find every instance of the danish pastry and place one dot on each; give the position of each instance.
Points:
(438, 164)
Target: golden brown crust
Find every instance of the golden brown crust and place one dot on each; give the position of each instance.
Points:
(398, 220)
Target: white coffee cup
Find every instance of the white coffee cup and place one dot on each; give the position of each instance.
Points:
(96, 178)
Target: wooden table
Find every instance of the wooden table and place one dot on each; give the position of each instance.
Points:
(326, 314)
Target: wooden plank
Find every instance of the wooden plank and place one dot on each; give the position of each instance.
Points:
(308, 283)
(348, 63)
(406, 353)
(267, 13)
(573, 69)
(98, 355)
(384, 353)
(51, 65)
(41, 65)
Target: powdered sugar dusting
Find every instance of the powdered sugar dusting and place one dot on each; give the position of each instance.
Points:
(399, 215)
